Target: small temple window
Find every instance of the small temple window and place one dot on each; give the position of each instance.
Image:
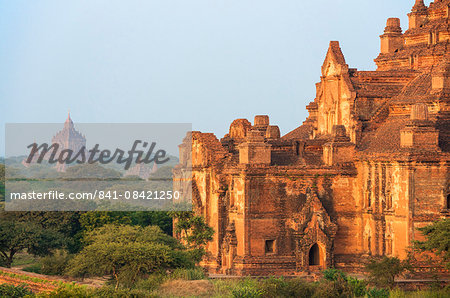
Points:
(270, 246)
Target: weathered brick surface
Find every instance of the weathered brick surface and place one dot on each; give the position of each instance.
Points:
(367, 167)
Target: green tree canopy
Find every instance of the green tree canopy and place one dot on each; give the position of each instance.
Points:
(91, 171)
(382, 272)
(17, 236)
(153, 218)
(66, 223)
(437, 239)
(96, 219)
(192, 228)
(128, 253)
(193, 231)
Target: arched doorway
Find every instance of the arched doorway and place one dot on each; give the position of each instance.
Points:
(315, 255)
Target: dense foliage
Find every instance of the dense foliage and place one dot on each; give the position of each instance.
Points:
(66, 224)
(128, 253)
(193, 231)
(91, 220)
(17, 236)
(437, 240)
(50, 230)
(383, 271)
(11, 291)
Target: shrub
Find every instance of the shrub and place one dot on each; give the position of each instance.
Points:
(183, 259)
(437, 240)
(194, 231)
(186, 288)
(12, 291)
(151, 283)
(108, 292)
(223, 288)
(273, 286)
(188, 274)
(247, 288)
(55, 264)
(104, 292)
(429, 294)
(299, 288)
(247, 292)
(69, 292)
(359, 287)
(127, 253)
(382, 272)
(332, 274)
(333, 289)
(378, 293)
(279, 287)
(397, 293)
(35, 268)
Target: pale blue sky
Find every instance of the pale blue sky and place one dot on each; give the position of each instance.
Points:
(206, 62)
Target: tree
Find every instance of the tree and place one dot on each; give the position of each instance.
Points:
(128, 253)
(18, 236)
(73, 225)
(96, 219)
(193, 231)
(153, 218)
(90, 171)
(192, 228)
(437, 240)
(382, 272)
(65, 222)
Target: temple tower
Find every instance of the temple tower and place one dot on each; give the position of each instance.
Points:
(392, 39)
(68, 138)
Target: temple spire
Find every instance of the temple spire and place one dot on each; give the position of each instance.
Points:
(419, 6)
(69, 122)
(392, 40)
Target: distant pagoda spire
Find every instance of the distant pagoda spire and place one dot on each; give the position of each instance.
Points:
(69, 123)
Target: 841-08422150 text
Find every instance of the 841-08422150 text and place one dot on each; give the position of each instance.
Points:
(139, 195)
(98, 195)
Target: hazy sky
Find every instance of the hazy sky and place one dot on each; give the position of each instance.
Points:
(205, 62)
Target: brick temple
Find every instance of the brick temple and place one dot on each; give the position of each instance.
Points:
(68, 138)
(367, 167)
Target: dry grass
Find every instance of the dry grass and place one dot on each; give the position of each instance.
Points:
(186, 288)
